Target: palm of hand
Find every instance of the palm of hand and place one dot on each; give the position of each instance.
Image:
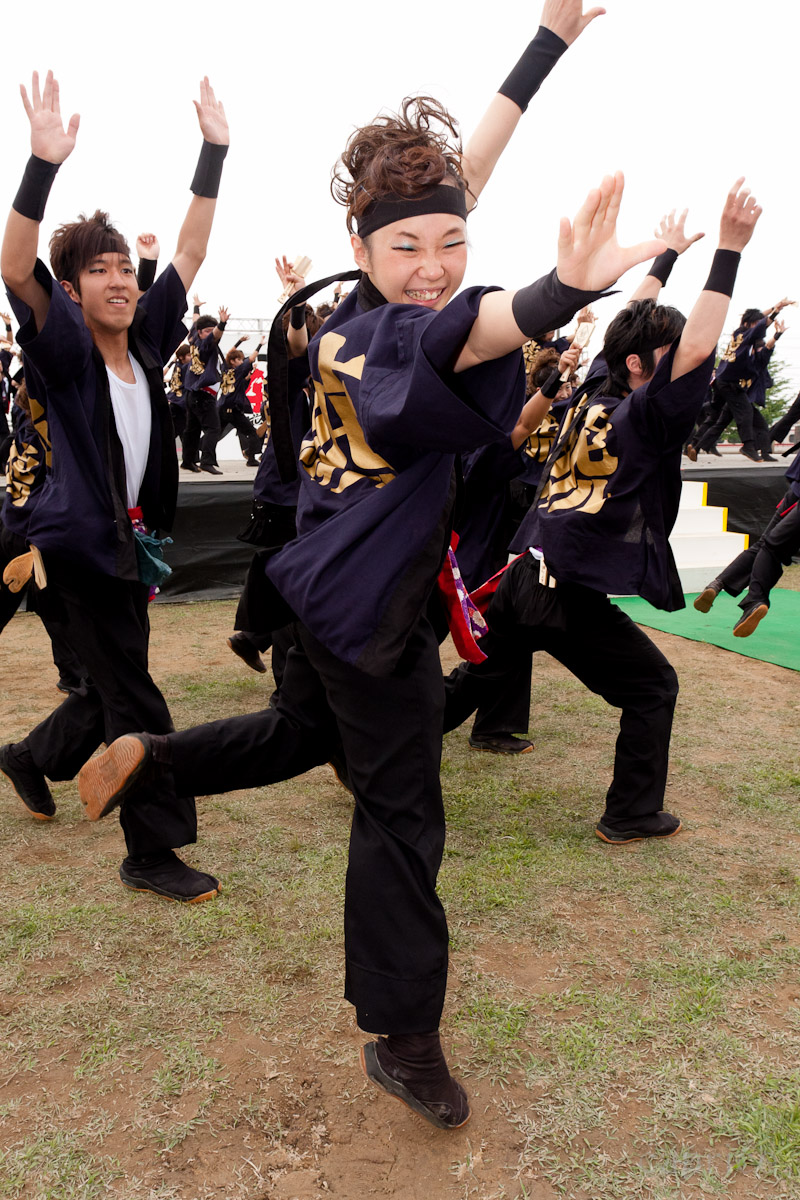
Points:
(213, 125)
(48, 137)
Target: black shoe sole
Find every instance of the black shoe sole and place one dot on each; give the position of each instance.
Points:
(398, 1091)
(104, 781)
(499, 750)
(623, 839)
(140, 885)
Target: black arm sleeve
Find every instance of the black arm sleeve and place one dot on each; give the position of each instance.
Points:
(533, 68)
(548, 303)
(145, 275)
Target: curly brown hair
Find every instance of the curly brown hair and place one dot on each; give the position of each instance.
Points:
(540, 366)
(402, 154)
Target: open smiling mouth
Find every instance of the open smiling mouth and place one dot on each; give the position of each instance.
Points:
(426, 296)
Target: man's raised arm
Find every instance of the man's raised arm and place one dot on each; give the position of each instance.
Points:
(562, 21)
(51, 144)
(704, 323)
(196, 228)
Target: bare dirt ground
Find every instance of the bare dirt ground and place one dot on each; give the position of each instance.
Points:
(608, 1009)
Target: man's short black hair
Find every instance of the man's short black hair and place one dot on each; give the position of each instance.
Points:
(204, 322)
(640, 328)
(751, 316)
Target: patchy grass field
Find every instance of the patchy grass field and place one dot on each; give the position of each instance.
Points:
(627, 1020)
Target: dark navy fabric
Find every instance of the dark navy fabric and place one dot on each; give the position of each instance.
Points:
(738, 364)
(268, 487)
(377, 479)
(233, 387)
(793, 474)
(204, 365)
(609, 506)
(80, 513)
(483, 521)
(177, 385)
(27, 464)
(762, 380)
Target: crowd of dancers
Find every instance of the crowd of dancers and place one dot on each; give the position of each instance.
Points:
(418, 433)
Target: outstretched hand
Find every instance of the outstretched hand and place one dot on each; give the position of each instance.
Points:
(567, 19)
(291, 281)
(211, 115)
(147, 246)
(672, 231)
(589, 256)
(739, 218)
(49, 140)
(223, 314)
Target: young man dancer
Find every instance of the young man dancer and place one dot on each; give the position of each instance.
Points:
(98, 352)
(610, 499)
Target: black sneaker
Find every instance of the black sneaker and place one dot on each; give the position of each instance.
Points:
(240, 644)
(170, 878)
(103, 781)
(190, 467)
(750, 452)
(704, 601)
(750, 619)
(713, 450)
(449, 1110)
(767, 457)
(210, 470)
(660, 825)
(500, 743)
(28, 782)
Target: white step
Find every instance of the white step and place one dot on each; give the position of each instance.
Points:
(701, 520)
(693, 493)
(692, 550)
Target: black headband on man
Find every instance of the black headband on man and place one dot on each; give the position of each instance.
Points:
(444, 198)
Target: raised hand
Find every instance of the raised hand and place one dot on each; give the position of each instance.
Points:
(223, 314)
(211, 115)
(589, 256)
(739, 218)
(147, 246)
(196, 301)
(49, 140)
(290, 280)
(567, 18)
(569, 360)
(780, 326)
(673, 232)
(5, 318)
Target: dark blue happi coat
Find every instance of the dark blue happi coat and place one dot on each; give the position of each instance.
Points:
(377, 478)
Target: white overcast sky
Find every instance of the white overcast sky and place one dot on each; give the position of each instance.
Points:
(683, 95)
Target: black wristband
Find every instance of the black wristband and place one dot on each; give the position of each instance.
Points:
(662, 266)
(548, 303)
(778, 334)
(146, 273)
(533, 68)
(196, 310)
(551, 385)
(221, 325)
(297, 317)
(209, 170)
(722, 275)
(37, 179)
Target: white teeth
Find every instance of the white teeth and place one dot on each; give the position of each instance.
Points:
(432, 295)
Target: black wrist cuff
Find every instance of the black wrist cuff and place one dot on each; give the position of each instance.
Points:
(548, 303)
(297, 317)
(146, 273)
(221, 325)
(551, 385)
(209, 170)
(722, 275)
(777, 335)
(196, 310)
(533, 68)
(662, 266)
(37, 179)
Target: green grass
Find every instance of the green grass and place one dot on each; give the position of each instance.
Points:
(629, 1018)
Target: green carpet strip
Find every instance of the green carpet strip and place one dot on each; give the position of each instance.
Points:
(776, 640)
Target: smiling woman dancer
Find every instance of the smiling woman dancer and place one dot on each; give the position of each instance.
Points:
(405, 378)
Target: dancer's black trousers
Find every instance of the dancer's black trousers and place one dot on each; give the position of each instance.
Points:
(107, 624)
(603, 648)
(760, 566)
(390, 730)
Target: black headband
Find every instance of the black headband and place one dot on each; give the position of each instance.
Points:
(444, 198)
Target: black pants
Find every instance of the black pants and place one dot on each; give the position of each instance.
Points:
(390, 730)
(734, 405)
(603, 648)
(232, 418)
(782, 426)
(760, 566)
(178, 414)
(202, 418)
(509, 711)
(106, 622)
